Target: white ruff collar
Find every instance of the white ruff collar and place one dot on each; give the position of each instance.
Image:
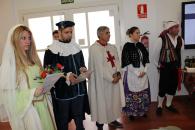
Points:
(64, 49)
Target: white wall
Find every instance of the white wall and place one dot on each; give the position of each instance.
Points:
(7, 16)
(148, 24)
(158, 11)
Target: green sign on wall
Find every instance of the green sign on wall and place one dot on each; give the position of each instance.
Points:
(67, 1)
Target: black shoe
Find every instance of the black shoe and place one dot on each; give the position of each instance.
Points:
(131, 118)
(116, 124)
(99, 126)
(171, 108)
(81, 129)
(159, 111)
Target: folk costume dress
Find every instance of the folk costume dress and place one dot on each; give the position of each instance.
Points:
(69, 101)
(168, 54)
(106, 99)
(137, 93)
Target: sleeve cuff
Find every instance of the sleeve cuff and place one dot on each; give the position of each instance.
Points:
(67, 78)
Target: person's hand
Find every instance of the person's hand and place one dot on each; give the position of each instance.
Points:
(39, 90)
(117, 74)
(141, 74)
(88, 75)
(114, 75)
(83, 70)
(116, 79)
(73, 78)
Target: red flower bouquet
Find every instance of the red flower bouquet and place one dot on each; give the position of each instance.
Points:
(51, 70)
(51, 75)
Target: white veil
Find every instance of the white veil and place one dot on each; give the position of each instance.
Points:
(8, 83)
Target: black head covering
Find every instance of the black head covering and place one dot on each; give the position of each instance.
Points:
(65, 24)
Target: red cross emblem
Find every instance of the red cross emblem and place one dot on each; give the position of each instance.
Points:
(110, 59)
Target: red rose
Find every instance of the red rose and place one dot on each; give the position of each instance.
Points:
(59, 66)
(50, 71)
(43, 74)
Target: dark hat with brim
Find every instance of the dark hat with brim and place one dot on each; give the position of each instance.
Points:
(65, 24)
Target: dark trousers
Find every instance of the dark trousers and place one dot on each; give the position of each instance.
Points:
(168, 80)
(65, 110)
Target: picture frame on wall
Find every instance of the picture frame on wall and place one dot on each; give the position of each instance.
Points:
(67, 1)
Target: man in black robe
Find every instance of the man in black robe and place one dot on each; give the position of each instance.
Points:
(69, 96)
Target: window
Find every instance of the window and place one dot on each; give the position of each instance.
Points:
(87, 20)
(99, 18)
(42, 28)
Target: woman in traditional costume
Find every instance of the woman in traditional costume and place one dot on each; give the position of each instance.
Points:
(135, 60)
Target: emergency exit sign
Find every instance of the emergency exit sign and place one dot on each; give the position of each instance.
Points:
(67, 1)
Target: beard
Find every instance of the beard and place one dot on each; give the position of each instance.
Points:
(66, 40)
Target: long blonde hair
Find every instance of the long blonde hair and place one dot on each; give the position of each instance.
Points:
(24, 58)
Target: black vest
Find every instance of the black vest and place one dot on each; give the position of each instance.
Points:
(177, 49)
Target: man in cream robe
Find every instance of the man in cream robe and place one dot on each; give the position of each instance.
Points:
(106, 93)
